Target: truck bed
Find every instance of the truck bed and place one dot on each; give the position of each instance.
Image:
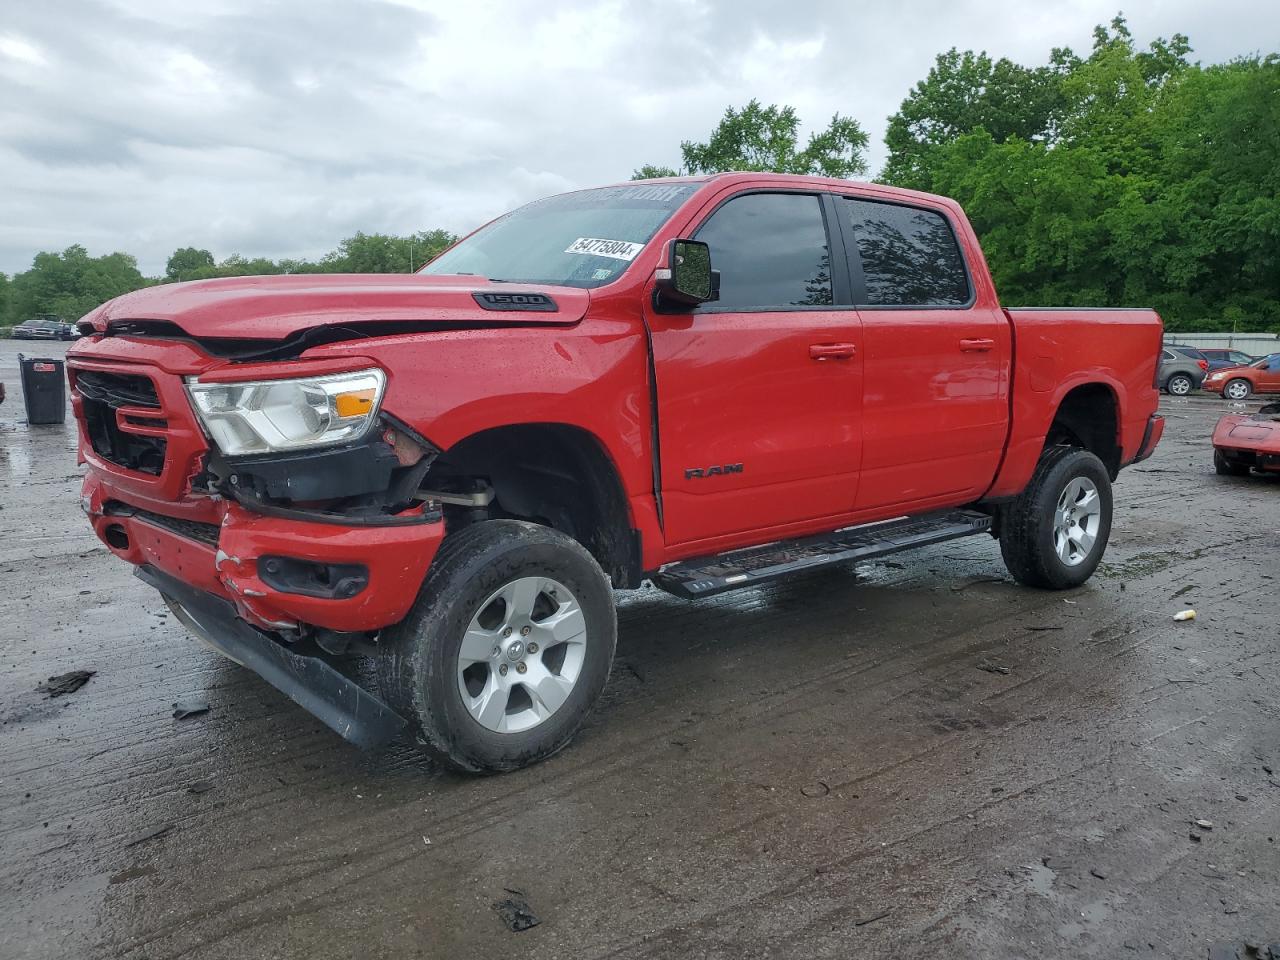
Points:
(1058, 349)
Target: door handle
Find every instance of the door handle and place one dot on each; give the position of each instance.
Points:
(981, 345)
(831, 351)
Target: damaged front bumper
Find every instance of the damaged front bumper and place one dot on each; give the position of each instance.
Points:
(309, 679)
(280, 562)
(212, 576)
(227, 550)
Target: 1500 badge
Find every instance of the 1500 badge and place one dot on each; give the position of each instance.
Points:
(697, 473)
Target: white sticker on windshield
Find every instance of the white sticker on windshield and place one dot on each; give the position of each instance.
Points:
(614, 249)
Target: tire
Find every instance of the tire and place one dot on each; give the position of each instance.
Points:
(498, 582)
(1227, 467)
(1237, 389)
(1179, 385)
(1033, 529)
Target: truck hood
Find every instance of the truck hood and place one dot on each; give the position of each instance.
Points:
(275, 308)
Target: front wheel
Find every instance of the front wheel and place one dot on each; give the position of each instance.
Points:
(507, 647)
(1179, 385)
(1226, 467)
(1054, 534)
(1238, 389)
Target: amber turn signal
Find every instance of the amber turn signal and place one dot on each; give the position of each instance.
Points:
(354, 403)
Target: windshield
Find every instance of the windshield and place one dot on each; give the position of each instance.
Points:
(1262, 362)
(582, 239)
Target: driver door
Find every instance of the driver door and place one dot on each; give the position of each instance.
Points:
(759, 392)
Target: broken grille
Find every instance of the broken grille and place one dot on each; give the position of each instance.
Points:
(123, 419)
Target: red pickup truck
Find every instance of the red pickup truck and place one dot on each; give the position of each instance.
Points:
(708, 383)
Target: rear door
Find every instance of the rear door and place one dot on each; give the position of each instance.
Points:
(936, 359)
(758, 393)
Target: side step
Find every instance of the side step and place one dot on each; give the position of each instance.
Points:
(705, 576)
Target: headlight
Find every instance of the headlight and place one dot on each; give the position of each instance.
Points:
(264, 416)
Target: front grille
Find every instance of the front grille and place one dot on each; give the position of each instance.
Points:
(117, 389)
(102, 395)
(191, 529)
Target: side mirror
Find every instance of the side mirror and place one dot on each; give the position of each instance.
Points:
(689, 278)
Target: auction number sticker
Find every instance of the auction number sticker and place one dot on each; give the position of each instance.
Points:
(614, 249)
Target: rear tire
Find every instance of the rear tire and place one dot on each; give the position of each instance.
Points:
(462, 662)
(1179, 385)
(1054, 534)
(1237, 389)
(1227, 467)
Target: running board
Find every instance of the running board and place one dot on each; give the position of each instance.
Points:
(705, 576)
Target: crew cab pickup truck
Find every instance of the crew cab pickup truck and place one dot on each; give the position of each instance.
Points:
(704, 383)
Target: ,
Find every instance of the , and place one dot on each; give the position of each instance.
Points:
(707, 383)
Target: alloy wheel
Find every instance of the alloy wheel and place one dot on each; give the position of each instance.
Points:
(1076, 521)
(522, 654)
